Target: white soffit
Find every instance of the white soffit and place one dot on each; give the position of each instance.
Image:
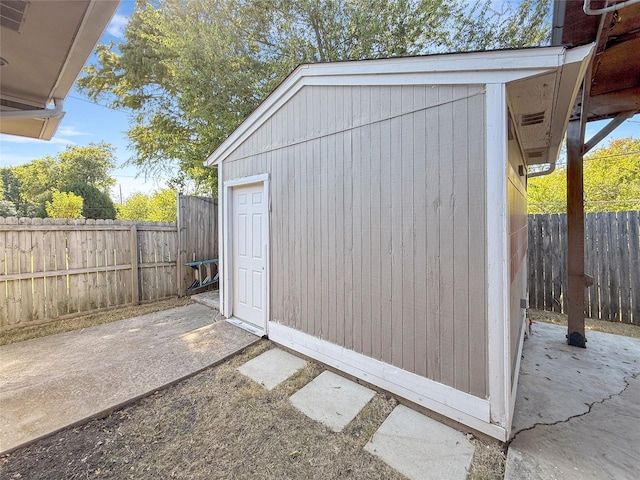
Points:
(500, 66)
(45, 51)
(541, 106)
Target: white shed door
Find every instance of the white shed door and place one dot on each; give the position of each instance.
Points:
(249, 246)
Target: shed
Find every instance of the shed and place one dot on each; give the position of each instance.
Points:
(374, 219)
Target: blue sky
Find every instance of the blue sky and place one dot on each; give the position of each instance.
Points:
(86, 122)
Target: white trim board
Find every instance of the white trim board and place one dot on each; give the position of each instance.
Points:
(498, 344)
(225, 206)
(246, 326)
(461, 407)
(498, 66)
(516, 378)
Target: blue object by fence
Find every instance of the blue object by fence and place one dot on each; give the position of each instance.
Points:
(203, 273)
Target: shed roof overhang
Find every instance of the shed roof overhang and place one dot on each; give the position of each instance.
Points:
(537, 80)
(44, 46)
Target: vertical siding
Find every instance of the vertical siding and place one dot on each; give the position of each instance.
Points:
(517, 206)
(377, 199)
(476, 181)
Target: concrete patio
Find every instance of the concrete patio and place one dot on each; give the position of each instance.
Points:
(50, 383)
(577, 414)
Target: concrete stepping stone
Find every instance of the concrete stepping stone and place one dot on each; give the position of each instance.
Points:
(420, 447)
(332, 400)
(272, 367)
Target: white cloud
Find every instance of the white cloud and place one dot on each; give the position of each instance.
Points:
(68, 131)
(116, 27)
(26, 140)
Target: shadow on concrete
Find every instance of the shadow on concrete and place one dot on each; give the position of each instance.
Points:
(50, 383)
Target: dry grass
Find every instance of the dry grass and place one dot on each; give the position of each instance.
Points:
(85, 321)
(218, 424)
(617, 328)
(488, 461)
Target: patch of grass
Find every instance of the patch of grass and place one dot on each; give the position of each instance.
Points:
(218, 424)
(367, 422)
(616, 328)
(488, 461)
(86, 321)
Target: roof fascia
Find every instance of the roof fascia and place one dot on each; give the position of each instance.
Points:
(95, 21)
(572, 74)
(501, 66)
(49, 127)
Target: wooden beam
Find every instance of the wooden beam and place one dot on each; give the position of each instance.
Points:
(575, 235)
(62, 273)
(607, 129)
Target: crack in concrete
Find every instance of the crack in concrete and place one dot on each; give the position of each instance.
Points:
(627, 383)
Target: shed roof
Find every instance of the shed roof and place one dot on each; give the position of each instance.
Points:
(44, 47)
(542, 81)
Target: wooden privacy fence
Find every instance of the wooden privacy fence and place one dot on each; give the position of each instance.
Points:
(612, 257)
(197, 234)
(54, 268)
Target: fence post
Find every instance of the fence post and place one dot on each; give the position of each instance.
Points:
(181, 257)
(135, 289)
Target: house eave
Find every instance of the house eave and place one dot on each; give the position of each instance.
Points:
(40, 68)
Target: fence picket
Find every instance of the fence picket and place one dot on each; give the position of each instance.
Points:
(556, 272)
(623, 266)
(532, 284)
(547, 260)
(42, 262)
(539, 263)
(612, 248)
(590, 268)
(13, 265)
(634, 265)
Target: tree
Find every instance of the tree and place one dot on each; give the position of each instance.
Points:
(64, 205)
(89, 165)
(611, 181)
(158, 207)
(136, 207)
(190, 71)
(612, 176)
(486, 29)
(96, 204)
(7, 209)
(11, 191)
(163, 205)
(38, 179)
(548, 194)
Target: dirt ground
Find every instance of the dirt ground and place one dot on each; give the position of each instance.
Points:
(219, 424)
(617, 328)
(86, 321)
